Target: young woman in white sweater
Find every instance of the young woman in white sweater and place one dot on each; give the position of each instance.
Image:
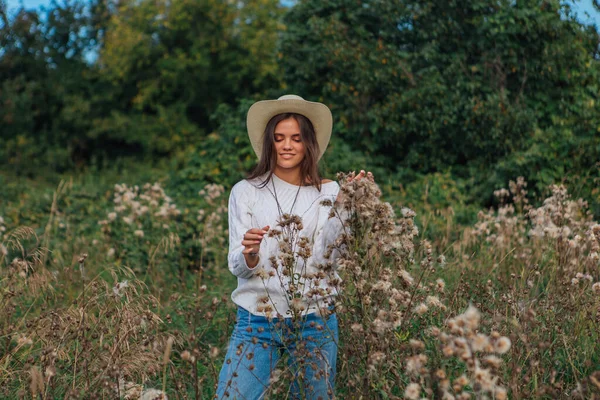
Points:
(280, 232)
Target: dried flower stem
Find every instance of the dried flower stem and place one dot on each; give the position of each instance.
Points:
(166, 358)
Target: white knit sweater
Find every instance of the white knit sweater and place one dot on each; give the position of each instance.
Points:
(253, 207)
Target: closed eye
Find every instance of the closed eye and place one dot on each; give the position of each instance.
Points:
(279, 137)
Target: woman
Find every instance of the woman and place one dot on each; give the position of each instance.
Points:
(280, 232)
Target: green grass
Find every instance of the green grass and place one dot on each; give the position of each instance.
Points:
(523, 290)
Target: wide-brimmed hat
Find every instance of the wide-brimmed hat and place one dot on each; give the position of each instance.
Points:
(261, 112)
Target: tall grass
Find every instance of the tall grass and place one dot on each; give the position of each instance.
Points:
(126, 296)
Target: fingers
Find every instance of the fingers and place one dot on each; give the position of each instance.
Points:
(361, 175)
(251, 248)
(252, 239)
(252, 236)
(258, 231)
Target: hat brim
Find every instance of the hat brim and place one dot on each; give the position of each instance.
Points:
(261, 112)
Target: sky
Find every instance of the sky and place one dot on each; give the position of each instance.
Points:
(581, 7)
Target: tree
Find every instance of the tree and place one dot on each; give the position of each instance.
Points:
(469, 86)
(96, 80)
(172, 63)
(42, 68)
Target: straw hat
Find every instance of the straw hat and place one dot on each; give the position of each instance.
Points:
(261, 112)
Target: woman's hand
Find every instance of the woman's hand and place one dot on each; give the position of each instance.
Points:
(358, 177)
(251, 242)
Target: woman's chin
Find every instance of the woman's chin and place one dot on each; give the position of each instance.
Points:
(288, 165)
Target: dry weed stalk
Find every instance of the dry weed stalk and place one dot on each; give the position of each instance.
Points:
(107, 333)
(379, 297)
(543, 272)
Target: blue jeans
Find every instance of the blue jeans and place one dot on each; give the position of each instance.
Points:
(254, 367)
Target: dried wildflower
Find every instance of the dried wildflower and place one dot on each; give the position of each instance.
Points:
(413, 391)
(118, 288)
(275, 376)
(139, 233)
(440, 285)
(262, 273)
(480, 343)
(440, 374)
(462, 381)
(415, 364)
(434, 331)
(382, 286)
(153, 394)
(581, 276)
(502, 194)
(377, 357)
(132, 206)
(404, 275)
(434, 301)
(187, 356)
(492, 361)
(416, 344)
(472, 317)
(23, 340)
(407, 213)
(596, 287)
(82, 258)
(500, 393)
(213, 352)
(421, 309)
(485, 379)
(297, 304)
(129, 390)
(441, 260)
(211, 192)
(448, 351)
(50, 371)
(447, 396)
(502, 345)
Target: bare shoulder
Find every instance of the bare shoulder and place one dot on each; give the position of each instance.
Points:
(326, 180)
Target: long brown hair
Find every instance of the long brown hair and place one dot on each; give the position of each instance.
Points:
(309, 167)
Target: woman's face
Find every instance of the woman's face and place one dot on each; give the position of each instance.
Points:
(288, 144)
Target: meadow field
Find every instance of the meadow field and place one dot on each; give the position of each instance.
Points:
(470, 267)
(119, 289)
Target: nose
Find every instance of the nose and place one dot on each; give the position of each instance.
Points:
(287, 144)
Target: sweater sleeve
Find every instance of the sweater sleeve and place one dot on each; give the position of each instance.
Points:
(240, 221)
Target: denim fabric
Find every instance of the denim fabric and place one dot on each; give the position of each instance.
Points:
(255, 359)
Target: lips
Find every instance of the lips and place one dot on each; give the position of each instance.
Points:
(287, 156)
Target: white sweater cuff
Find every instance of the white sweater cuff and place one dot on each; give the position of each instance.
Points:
(241, 269)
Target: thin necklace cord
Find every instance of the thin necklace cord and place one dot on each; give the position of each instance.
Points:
(274, 193)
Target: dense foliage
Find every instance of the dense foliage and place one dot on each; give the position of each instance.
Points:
(488, 90)
(481, 91)
(89, 82)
